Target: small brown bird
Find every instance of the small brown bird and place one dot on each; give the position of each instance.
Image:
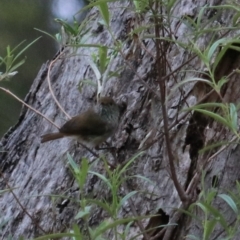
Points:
(93, 126)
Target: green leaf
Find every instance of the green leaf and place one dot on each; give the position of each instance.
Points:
(145, 179)
(23, 50)
(189, 80)
(95, 70)
(103, 8)
(214, 46)
(84, 172)
(230, 202)
(226, 44)
(6, 190)
(208, 209)
(77, 232)
(207, 105)
(103, 178)
(125, 167)
(235, 19)
(114, 224)
(57, 236)
(200, 16)
(83, 213)
(233, 116)
(212, 146)
(141, 5)
(103, 58)
(209, 226)
(129, 195)
(214, 116)
(212, 49)
(104, 205)
(17, 65)
(170, 4)
(71, 30)
(46, 33)
(221, 82)
(73, 164)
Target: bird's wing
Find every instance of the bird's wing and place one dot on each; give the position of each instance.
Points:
(82, 125)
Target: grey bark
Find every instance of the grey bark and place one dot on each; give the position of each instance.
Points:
(37, 171)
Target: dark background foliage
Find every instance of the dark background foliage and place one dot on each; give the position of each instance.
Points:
(17, 22)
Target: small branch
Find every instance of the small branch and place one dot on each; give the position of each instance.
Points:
(28, 106)
(50, 86)
(160, 69)
(20, 204)
(134, 212)
(95, 155)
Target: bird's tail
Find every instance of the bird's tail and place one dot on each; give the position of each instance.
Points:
(51, 136)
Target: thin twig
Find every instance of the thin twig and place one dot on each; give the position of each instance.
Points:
(20, 204)
(28, 106)
(183, 196)
(50, 86)
(134, 212)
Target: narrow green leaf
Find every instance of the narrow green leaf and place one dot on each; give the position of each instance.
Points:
(207, 105)
(103, 8)
(103, 178)
(214, 116)
(101, 204)
(129, 195)
(208, 209)
(145, 179)
(213, 48)
(103, 59)
(202, 207)
(237, 48)
(221, 82)
(7, 190)
(123, 169)
(95, 70)
(209, 226)
(200, 16)
(88, 82)
(73, 164)
(83, 213)
(189, 213)
(219, 57)
(140, 5)
(17, 65)
(77, 232)
(9, 62)
(226, 44)
(235, 18)
(115, 224)
(46, 33)
(233, 116)
(189, 80)
(170, 4)
(15, 48)
(212, 146)
(68, 28)
(229, 201)
(23, 50)
(57, 236)
(84, 172)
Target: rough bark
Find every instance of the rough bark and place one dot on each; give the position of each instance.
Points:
(37, 171)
